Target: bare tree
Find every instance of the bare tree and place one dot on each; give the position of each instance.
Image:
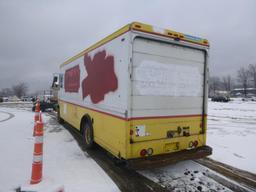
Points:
(20, 89)
(243, 78)
(226, 82)
(214, 85)
(252, 69)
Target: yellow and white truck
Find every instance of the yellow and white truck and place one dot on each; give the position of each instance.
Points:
(140, 93)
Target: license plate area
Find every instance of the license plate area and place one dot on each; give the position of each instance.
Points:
(168, 147)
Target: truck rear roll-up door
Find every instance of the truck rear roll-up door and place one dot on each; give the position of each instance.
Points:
(167, 79)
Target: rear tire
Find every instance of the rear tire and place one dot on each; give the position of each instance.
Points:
(87, 133)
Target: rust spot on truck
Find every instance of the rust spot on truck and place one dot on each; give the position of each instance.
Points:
(101, 78)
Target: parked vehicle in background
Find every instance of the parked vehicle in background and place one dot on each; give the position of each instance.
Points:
(44, 106)
(220, 98)
(14, 99)
(25, 98)
(47, 101)
(1, 99)
(249, 98)
(5, 99)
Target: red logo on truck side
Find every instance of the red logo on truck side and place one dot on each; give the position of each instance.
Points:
(101, 78)
(72, 79)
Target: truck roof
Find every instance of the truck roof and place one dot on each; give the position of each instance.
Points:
(137, 26)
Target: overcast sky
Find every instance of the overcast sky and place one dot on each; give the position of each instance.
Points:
(36, 36)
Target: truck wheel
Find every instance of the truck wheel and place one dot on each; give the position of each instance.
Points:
(59, 119)
(87, 132)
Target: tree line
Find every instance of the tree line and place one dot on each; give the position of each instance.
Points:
(18, 90)
(245, 78)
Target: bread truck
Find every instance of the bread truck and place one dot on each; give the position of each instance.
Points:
(141, 94)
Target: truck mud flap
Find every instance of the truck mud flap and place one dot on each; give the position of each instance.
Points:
(167, 159)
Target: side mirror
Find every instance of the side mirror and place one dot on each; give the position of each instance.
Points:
(55, 82)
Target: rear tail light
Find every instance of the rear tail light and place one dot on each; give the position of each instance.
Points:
(143, 152)
(195, 143)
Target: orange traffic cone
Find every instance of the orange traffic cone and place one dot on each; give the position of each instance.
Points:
(37, 165)
(37, 115)
(37, 110)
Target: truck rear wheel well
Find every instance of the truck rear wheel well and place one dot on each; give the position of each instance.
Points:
(86, 118)
(86, 130)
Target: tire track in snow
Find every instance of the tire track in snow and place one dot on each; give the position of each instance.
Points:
(8, 118)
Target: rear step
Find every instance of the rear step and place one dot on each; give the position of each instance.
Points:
(167, 159)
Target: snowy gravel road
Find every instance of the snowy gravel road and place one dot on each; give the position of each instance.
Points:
(186, 176)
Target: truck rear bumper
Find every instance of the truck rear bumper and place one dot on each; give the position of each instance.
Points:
(167, 159)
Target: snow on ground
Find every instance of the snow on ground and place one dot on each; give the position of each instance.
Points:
(232, 133)
(64, 163)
